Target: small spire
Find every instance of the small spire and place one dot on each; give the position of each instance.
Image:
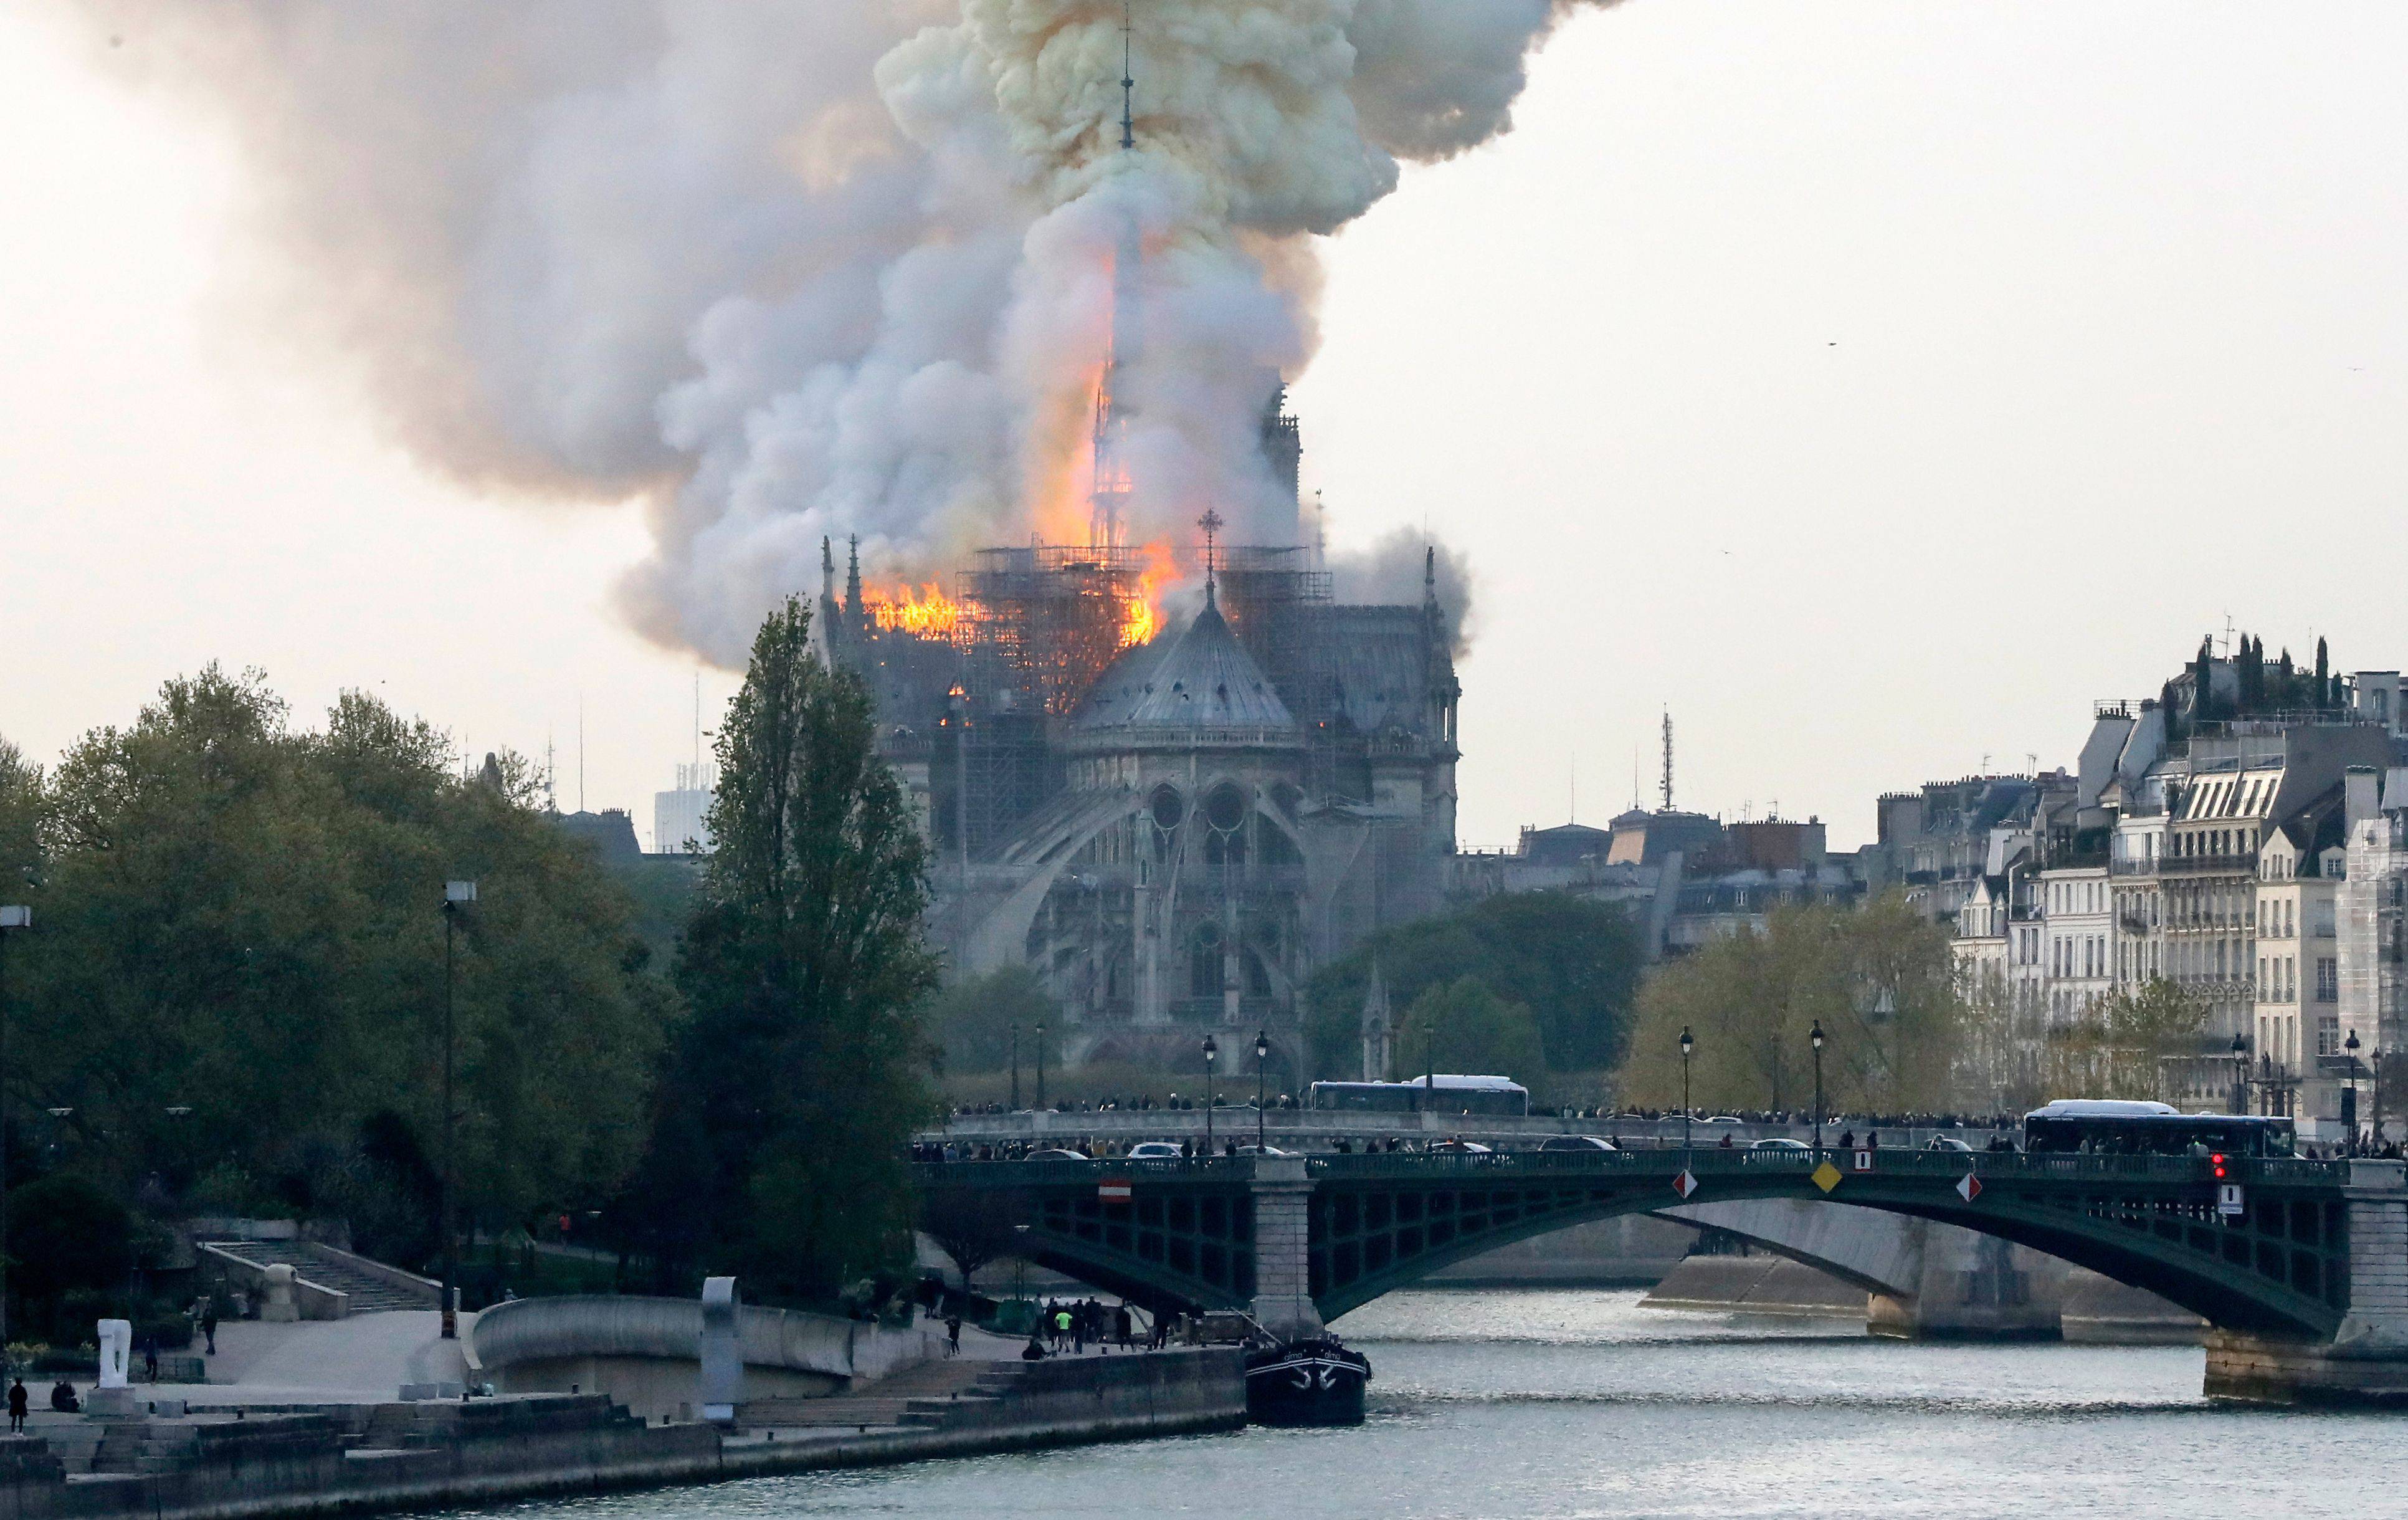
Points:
(852, 582)
(1211, 523)
(1129, 82)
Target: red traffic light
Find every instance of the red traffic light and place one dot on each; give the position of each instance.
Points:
(2217, 1160)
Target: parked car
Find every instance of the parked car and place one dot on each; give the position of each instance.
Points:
(1154, 1150)
(1723, 1119)
(1459, 1147)
(1780, 1145)
(1577, 1143)
(1942, 1142)
(1263, 1150)
(1058, 1153)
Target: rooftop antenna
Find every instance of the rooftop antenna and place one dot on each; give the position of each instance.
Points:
(1634, 777)
(1668, 762)
(551, 792)
(1575, 813)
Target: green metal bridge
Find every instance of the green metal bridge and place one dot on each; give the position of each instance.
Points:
(1301, 1239)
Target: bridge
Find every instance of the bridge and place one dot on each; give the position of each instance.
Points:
(2305, 1276)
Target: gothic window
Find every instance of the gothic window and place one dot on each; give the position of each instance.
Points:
(1204, 962)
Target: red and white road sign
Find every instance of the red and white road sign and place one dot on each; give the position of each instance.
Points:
(1113, 1189)
(1684, 1183)
(1969, 1187)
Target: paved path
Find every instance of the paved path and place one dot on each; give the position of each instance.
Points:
(364, 1359)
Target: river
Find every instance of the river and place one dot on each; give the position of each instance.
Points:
(1524, 1404)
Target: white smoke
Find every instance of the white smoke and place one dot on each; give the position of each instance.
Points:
(795, 269)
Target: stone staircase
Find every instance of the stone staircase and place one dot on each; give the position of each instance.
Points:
(924, 1395)
(368, 1294)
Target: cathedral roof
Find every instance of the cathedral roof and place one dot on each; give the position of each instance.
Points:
(1198, 679)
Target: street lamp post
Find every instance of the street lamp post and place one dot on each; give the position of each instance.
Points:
(1814, 1038)
(2376, 1101)
(1041, 1063)
(2240, 1073)
(10, 918)
(1016, 1066)
(457, 895)
(2349, 1094)
(1262, 1055)
(1688, 1046)
(1211, 1052)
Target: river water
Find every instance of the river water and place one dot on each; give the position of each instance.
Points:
(1522, 1404)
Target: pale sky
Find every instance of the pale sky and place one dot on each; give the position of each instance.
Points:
(1874, 385)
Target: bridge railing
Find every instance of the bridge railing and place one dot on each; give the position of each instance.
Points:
(1705, 1162)
(1237, 1171)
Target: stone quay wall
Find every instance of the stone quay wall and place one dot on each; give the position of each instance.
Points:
(369, 1458)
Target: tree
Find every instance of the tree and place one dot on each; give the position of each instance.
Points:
(1461, 1026)
(973, 1019)
(1574, 964)
(1880, 981)
(2118, 1050)
(238, 962)
(778, 1145)
(974, 1227)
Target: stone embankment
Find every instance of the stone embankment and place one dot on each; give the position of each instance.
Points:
(262, 1464)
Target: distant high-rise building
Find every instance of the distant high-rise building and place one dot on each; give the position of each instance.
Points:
(681, 817)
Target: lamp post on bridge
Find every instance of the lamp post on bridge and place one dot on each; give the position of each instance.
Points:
(1687, 1044)
(2349, 1094)
(1041, 1063)
(1016, 1066)
(2240, 1073)
(1262, 1055)
(1814, 1038)
(1212, 1051)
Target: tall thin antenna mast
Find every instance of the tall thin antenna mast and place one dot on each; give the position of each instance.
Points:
(1668, 762)
(580, 752)
(1575, 813)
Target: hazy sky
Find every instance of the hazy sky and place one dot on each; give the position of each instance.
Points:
(1872, 384)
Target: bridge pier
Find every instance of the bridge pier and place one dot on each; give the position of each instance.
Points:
(2366, 1362)
(1283, 1247)
(1972, 1287)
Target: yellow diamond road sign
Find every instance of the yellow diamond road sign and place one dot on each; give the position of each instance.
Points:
(1826, 1176)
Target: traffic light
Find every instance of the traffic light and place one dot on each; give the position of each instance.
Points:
(2217, 1161)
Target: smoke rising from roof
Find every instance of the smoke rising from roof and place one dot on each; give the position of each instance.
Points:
(788, 268)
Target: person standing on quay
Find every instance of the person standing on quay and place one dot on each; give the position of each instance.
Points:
(17, 1407)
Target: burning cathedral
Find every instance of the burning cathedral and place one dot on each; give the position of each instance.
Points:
(1170, 818)
(1170, 808)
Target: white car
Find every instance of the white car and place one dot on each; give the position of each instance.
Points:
(1577, 1143)
(1154, 1150)
(1780, 1145)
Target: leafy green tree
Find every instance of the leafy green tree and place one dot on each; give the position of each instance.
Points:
(777, 1148)
(66, 1232)
(238, 961)
(1878, 978)
(973, 1019)
(1462, 1027)
(1574, 964)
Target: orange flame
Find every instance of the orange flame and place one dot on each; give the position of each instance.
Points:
(1144, 618)
(927, 612)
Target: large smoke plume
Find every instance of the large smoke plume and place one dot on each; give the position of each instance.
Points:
(795, 268)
